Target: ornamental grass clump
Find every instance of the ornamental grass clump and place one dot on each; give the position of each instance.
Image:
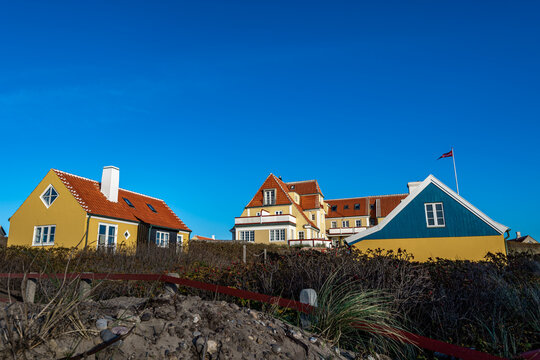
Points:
(357, 319)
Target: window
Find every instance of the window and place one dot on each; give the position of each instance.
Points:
(346, 207)
(247, 235)
(179, 240)
(269, 197)
(258, 214)
(334, 224)
(356, 206)
(280, 212)
(128, 202)
(372, 222)
(277, 235)
(127, 234)
(434, 215)
(292, 187)
(106, 236)
(312, 216)
(345, 223)
(358, 223)
(151, 208)
(334, 207)
(301, 235)
(49, 195)
(44, 235)
(162, 239)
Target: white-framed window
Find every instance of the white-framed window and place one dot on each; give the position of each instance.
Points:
(280, 212)
(277, 235)
(44, 235)
(270, 197)
(358, 223)
(301, 235)
(333, 224)
(127, 234)
(162, 239)
(248, 235)
(49, 195)
(345, 223)
(434, 214)
(107, 235)
(179, 240)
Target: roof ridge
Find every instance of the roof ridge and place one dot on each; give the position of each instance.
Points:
(369, 196)
(300, 181)
(98, 182)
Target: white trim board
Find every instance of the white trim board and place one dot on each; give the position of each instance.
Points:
(417, 190)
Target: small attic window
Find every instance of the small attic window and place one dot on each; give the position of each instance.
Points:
(151, 208)
(128, 202)
(346, 207)
(334, 207)
(292, 187)
(49, 195)
(356, 206)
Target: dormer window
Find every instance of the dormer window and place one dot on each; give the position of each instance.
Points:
(356, 206)
(334, 207)
(128, 202)
(292, 187)
(270, 197)
(151, 208)
(346, 207)
(49, 195)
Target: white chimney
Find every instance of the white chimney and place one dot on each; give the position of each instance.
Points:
(518, 234)
(110, 180)
(213, 237)
(412, 185)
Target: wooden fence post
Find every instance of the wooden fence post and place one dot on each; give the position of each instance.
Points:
(264, 256)
(244, 253)
(171, 288)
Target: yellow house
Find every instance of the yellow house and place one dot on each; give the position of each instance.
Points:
(284, 213)
(67, 210)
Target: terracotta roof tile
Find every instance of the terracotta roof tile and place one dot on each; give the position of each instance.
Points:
(308, 202)
(88, 194)
(304, 187)
(367, 205)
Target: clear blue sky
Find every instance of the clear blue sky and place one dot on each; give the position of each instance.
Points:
(198, 101)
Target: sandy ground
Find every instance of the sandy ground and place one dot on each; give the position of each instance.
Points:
(184, 327)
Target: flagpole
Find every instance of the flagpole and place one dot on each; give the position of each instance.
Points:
(455, 172)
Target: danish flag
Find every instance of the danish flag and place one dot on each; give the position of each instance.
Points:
(448, 154)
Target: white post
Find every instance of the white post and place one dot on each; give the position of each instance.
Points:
(455, 172)
(244, 253)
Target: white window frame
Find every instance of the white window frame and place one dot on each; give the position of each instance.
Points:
(43, 193)
(41, 243)
(128, 234)
(180, 239)
(333, 225)
(269, 197)
(358, 223)
(345, 223)
(301, 235)
(164, 242)
(246, 235)
(107, 226)
(436, 223)
(277, 235)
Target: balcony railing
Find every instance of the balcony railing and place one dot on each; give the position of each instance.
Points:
(345, 231)
(310, 242)
(264, 219)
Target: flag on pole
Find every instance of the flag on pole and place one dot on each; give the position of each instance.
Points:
(448, 154)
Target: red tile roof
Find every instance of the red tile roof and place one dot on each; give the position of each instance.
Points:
(388, 203)
(308, 202)
(304, 187)
(199, 237)
(88, 194)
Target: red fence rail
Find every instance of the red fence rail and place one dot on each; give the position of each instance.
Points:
(405, 336)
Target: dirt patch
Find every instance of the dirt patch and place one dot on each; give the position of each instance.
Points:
(184, 327)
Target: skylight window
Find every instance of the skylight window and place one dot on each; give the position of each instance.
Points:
(334, 207)
(151, 208)
(346, 207)
(49, 195)
(128, 202)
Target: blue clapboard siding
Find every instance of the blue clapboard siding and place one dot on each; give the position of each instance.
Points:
(411, 221)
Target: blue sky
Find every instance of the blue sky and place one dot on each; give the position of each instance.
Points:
(197, 102)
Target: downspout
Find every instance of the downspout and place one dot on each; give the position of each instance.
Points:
(507, 235)
(149, 232)
(87, 227)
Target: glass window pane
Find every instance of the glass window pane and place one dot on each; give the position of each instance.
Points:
(102, 229)
(51, 234)
(45, 234)
(431, 221)
(37, 240)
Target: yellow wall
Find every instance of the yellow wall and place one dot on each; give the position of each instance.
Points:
(352, 221)
(93, 230)
(271, 209)
(65, 212)
(185, 238)
(457, 248)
